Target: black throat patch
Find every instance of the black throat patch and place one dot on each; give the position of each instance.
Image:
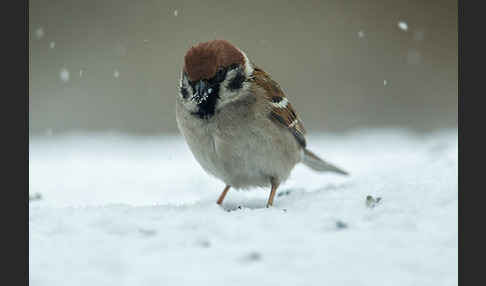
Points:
(207, 108)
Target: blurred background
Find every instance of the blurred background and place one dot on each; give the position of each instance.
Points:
(114, 65)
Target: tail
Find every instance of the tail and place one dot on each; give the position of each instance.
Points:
(315, 163)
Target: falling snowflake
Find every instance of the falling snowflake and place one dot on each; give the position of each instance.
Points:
(64, 74)
(176, 13)
(116, 74)
(361, 34)
(385, 82)
(39, 33)
(81, 72)
(52, 45)
(403, 25)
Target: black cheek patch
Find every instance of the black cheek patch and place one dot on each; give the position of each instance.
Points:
(236, 82)
(184, 92)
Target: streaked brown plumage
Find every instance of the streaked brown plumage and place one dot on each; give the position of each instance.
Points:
(285, 116)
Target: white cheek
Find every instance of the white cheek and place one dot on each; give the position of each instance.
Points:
(226, 95)
(188, 104)
(248, 67)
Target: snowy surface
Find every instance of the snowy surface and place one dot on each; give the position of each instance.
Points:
(120, 210)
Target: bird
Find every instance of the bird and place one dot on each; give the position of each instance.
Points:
(237, 121)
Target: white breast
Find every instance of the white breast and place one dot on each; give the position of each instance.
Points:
(241, 149)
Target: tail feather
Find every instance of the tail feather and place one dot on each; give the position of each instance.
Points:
(312, 161)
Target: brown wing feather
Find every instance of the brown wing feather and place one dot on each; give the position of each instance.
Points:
(282, 111)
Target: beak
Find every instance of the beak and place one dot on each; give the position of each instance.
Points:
(201, 91)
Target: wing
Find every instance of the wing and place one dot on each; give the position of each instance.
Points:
(282, 112)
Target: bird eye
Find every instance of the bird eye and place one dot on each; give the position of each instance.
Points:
(220, 75)
(233, 66)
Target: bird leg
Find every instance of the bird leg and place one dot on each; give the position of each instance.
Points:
(223, 194)
(272, 192)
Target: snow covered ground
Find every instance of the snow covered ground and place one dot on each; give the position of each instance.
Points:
(121, 210)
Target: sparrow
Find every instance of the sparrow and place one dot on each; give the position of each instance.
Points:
(237, 121)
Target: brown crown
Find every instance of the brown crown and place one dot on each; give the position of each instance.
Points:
(203, 60)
